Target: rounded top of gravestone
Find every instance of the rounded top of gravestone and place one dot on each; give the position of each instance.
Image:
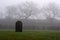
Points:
(19, 21)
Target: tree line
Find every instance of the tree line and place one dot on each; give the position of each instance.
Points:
(51, 11)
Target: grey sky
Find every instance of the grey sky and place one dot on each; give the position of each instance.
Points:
(4, 3)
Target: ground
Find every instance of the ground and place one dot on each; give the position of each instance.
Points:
(30, 35)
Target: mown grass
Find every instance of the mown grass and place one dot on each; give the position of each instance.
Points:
(30, 35)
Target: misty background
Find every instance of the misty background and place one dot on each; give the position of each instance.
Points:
(35, 14)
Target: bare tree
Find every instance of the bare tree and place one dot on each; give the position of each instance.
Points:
(51, 11)
(12, 11)
(29, 8)
(23, 10)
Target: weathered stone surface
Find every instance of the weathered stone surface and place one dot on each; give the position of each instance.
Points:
(18, 26)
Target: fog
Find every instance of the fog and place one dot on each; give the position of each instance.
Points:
(34, 14)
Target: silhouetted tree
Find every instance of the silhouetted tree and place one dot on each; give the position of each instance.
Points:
(23, 10)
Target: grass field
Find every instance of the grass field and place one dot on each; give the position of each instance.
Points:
(30, 35)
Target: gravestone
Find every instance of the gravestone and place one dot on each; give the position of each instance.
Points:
(18, 26)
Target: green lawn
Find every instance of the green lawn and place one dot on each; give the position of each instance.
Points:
(30, 35)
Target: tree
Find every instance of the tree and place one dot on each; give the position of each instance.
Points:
(51, 11)
(23, 10)
(2, 15)
(12, 12)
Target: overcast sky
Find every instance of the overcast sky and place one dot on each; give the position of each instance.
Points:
(4, 3)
